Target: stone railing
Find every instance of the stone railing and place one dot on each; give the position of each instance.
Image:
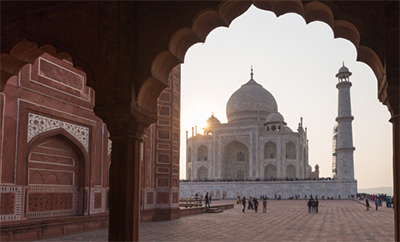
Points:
(190, 202)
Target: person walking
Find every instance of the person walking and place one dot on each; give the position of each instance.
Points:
(376, 203)
(255, 204)
(316, 205)
(207, 201)
(264, 205)
(367, 203)
(244, 204)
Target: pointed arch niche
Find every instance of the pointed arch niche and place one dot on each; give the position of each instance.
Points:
(56, 176)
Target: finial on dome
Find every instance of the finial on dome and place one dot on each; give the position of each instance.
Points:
(343, 63)
(251, 73)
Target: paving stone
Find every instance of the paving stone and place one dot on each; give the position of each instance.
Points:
(285, 220)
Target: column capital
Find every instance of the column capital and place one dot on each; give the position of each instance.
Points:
(395, 119)
(126, 119)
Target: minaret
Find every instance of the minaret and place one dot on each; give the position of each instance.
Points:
(344, 145)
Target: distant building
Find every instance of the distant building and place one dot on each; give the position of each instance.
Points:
(255, 143)
(256, 153)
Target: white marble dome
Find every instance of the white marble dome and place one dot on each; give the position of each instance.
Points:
(251, 102)
(275, 118)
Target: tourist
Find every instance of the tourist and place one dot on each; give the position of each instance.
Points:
(255, 204)
(312, 205)
(376, 203)
(309, 205)
(316, 205)
(207, 201)
(264, 205)
(244, 204)
(249, 206)
(367, 203)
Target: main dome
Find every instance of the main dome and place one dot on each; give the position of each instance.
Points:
(251, 102)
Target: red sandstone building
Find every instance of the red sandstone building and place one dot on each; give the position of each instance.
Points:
(160, 162)
(55, 154)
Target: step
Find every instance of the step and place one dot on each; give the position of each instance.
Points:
(213, 210)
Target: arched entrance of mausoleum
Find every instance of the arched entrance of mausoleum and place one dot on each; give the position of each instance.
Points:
(235, 161)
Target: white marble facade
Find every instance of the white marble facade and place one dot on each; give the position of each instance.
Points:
(255, 143)
(286, 189)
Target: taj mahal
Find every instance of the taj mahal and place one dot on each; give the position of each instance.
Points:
(255, 153)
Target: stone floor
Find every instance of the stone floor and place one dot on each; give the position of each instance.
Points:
(285, 220)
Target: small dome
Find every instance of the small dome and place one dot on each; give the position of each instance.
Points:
(343, 69)
(343, 73)
(212, 121)
(275, 118)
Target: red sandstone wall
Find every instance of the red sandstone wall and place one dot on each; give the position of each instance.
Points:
(54, 152)
(160, 164)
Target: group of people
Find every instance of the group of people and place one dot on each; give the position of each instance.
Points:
(253, 203)
(378, 201)
(313, 205)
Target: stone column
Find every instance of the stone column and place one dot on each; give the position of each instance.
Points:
(126, 126)
(396, 174)
(344, 148)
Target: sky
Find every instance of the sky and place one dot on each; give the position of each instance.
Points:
(297, 63)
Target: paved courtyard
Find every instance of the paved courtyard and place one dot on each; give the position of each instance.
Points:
(286, 220)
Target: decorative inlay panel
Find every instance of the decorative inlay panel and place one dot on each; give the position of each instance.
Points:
(97, 200)
(40, 202)
(46, 201)
(51, 159)
(10, 206)
(243, 138)
(61, 75)
(7, 203)
(38, 124)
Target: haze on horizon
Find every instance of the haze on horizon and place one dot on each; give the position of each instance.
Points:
(297, 63)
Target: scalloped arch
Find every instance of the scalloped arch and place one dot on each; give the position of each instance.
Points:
(209, 19)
